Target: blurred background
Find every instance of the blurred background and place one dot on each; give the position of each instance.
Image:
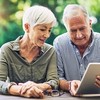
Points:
(11, 12)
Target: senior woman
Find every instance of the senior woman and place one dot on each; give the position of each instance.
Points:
(29, 62)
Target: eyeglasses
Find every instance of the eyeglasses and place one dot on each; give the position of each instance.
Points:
(54, 93)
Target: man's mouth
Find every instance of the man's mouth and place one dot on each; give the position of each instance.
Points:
(80, 38)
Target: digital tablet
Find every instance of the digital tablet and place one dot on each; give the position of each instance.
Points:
(87, 87)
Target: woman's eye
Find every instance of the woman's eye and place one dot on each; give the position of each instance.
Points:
(49, 30)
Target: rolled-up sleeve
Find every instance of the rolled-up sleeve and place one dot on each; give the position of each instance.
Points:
(3, 73)
(52, 75)
(59, 59)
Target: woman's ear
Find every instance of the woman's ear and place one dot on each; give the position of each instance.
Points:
(27, 26)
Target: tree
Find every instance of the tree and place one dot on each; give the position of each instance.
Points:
(11, 12)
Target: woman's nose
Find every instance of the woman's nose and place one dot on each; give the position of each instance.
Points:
(47, 35)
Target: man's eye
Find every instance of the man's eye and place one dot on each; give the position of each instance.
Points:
(81, 29)
(42, 29)
(73, 31)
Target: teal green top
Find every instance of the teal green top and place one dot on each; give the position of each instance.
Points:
(12, 65)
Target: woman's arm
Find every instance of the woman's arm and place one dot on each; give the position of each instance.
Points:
(52, 75)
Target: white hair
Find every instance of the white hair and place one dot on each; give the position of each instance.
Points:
(73, 10)
(38, 15)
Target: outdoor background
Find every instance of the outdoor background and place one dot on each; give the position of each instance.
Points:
(11, 12)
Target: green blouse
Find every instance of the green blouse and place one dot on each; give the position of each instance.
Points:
(18, 70)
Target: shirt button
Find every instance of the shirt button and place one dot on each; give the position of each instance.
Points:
(76, 51)
(81, 65)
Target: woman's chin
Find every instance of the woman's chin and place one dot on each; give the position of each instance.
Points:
(41, 44)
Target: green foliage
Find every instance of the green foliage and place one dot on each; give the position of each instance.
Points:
(93, 7)
(11, 12)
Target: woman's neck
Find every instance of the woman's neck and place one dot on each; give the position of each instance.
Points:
(26, 44)
(28, 50)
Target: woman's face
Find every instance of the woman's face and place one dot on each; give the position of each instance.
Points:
(39, 34)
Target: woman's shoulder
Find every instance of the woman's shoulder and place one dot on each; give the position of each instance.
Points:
(48, 47)
(6, 46)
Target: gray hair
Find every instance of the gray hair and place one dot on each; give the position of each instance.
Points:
(72, 10)
(38, 15)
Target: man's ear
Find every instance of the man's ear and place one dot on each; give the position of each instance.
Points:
(90, 22)
(27, 26)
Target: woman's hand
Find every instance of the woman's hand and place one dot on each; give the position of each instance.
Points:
(33, 92)
(30, 89)
(44, 86)
(26, 86)
(73, 86)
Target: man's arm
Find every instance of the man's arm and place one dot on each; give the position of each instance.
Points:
(64, 85)
(70, 86)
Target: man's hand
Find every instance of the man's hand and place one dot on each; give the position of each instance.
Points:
(73, 86)
(97, 81)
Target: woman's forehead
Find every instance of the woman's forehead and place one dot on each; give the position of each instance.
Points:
(45, 25)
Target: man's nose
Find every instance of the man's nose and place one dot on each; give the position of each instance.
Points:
(78, 34)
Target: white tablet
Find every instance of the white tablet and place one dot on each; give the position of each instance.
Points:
(87, 87)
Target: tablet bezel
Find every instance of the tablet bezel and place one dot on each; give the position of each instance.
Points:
(87, 85)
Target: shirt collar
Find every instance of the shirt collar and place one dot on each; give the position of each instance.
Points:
(91, 44)
(15, 46)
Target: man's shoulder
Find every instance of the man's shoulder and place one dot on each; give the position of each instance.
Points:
(96, 34)
(62, 37)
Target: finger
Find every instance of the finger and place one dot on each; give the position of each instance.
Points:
(98, 78)
(20, 84)
(97, 83)
(39, 92)
(27, 94)
(33, 92)
(30, 93)
(74, 86)
(25, 88)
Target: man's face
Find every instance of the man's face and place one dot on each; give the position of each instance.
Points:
(79, 30)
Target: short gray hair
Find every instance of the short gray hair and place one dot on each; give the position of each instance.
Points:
(38, 15)
(72, 10)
